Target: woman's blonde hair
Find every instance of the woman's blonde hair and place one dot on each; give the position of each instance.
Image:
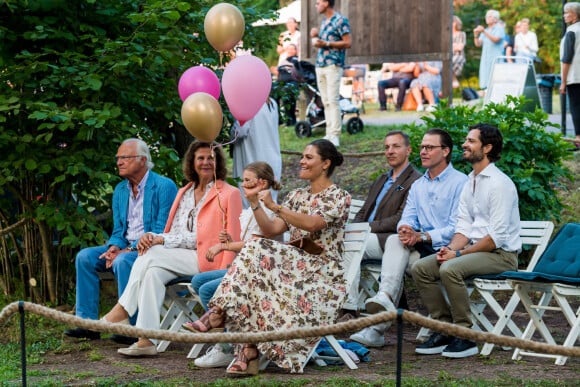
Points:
(458, 22)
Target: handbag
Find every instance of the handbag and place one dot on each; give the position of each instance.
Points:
(307, 244)
(409, 104)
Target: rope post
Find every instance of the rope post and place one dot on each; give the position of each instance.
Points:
(22, 342)
(399, 345)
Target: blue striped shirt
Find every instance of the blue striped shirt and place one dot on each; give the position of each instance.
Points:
(135, 226)
(432, 205)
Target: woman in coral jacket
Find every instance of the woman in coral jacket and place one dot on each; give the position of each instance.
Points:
(204, 207)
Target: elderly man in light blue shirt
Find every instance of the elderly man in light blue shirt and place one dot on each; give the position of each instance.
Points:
(427, 224)
(486, 241)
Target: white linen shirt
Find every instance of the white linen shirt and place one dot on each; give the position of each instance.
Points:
(489, 206)
(180, 236)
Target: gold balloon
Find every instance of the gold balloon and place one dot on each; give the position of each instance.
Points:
(202, 116)
(224, 26)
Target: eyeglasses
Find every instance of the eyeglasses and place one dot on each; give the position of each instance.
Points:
(429, 148)
(117, 158)
(191, 220)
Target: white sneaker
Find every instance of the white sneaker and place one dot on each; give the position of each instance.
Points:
(430, 108)
(333, 139)
(420, 108)
(373, 336)
(215, 357)
(379, 303)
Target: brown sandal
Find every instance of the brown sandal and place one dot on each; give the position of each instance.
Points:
(203, 324)
(243, 364)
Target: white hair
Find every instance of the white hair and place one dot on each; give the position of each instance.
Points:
(142, 150)
(573, 6)
(493, 13)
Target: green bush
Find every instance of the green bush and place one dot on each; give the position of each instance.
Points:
(532, 156)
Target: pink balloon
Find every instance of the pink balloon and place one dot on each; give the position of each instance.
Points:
(198, 79)
(246, 85)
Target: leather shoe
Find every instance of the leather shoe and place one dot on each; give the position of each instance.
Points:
(81, 333)
(136, 351)
(125, 340)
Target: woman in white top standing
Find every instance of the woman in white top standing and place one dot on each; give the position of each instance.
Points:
(290, 36)
(459, 39)
(526, 41)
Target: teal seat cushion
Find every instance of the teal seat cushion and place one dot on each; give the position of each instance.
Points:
(559, 263)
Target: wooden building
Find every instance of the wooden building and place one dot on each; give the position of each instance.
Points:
(390, 31)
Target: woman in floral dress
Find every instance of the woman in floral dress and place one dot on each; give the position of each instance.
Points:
(272, 286)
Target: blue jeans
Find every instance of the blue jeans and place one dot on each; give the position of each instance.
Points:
(88, 265)
(401, 83)
(205, 284)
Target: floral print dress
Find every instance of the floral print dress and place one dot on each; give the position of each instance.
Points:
(272, 286)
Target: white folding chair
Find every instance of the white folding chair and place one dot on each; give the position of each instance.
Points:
(178, 307)
(355, 206)
(556, 277)
(533, 233)
(356, 235)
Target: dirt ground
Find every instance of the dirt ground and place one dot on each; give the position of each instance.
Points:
(85, 362)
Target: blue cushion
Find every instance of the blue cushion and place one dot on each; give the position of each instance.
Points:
(562, 257)
(560, 262)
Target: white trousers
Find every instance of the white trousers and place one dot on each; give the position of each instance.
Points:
(395, 259)
(328, 80)
(146, 288)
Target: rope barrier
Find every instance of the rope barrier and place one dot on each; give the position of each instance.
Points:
(257, 337)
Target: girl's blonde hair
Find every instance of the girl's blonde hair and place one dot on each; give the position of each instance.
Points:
(264, 171)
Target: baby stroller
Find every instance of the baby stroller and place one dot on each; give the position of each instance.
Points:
(305, 74)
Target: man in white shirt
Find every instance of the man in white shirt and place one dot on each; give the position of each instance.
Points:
(486, 241)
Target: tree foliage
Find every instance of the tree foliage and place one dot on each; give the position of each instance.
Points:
(76, 79)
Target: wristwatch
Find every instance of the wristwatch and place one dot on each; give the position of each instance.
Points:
(132, 248)
(423, 236)
(458, 253)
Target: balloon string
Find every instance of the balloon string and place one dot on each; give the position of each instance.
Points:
(224, 219)
(236, 135)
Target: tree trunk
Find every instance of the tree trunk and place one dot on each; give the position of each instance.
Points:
(50, 275)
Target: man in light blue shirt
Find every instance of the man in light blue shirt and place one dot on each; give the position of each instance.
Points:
(486, 241)
(427, 224)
